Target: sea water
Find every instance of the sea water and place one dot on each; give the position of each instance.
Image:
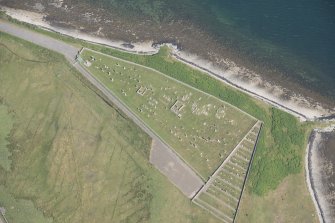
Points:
(294, 37)
(301, 30)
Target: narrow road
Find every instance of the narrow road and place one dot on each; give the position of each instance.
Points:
(162, 156)
(67, 50)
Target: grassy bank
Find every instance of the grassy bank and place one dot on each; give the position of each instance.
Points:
(199, 127)
(74, 158)
(290, 202)
(5, 127)
(281, 147)
(280, 150)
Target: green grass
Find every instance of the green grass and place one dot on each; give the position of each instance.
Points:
(217, 205)
(226, 187)
(67, 155)
(272, 162)
(5, 127)
(290, 202)
(230, 178)
(275, 163)
(20, 210)
(222, 196)
(288, 138)
(270, 158)
(204, 131)
(74, 157)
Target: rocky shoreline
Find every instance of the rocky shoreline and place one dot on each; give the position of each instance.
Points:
(320, 171)
(238, 77)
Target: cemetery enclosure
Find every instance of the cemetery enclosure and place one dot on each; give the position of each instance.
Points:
(202, 129)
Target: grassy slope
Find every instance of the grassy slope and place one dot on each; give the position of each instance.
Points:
(160, 118)
(290, 202)
(6, 124)
(283, 136)
(266, 175)
(281, 147)
(20, 210)
(75, 158)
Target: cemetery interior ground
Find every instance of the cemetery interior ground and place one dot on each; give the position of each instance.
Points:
(71, 157)
(201, 128)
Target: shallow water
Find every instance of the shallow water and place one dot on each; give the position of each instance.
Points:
(286, 46)
(293, 36)
(304, 30)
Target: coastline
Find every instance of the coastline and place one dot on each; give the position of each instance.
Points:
(313, 174)
(234, 76)
(301, 116)
(293, 107)
(309, 178)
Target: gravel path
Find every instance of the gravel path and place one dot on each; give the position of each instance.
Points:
(162, 156)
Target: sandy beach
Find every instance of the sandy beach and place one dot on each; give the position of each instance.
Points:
(238, 77)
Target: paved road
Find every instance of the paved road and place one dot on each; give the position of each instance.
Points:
(67, 50)
(162, 157)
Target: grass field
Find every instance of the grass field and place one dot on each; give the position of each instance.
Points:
(5, 127)
(275, 163)
(290, 202)
(201, 128)
(20, 210)
(281, 148)
(74, 158)
(222, 192)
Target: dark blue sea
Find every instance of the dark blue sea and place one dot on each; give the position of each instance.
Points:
(294, 37)
(299, 35)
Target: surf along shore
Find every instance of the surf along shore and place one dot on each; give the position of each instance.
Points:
(238, 77)
(299, 107)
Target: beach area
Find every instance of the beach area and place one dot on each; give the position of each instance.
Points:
(242, 78)
(282, 92)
